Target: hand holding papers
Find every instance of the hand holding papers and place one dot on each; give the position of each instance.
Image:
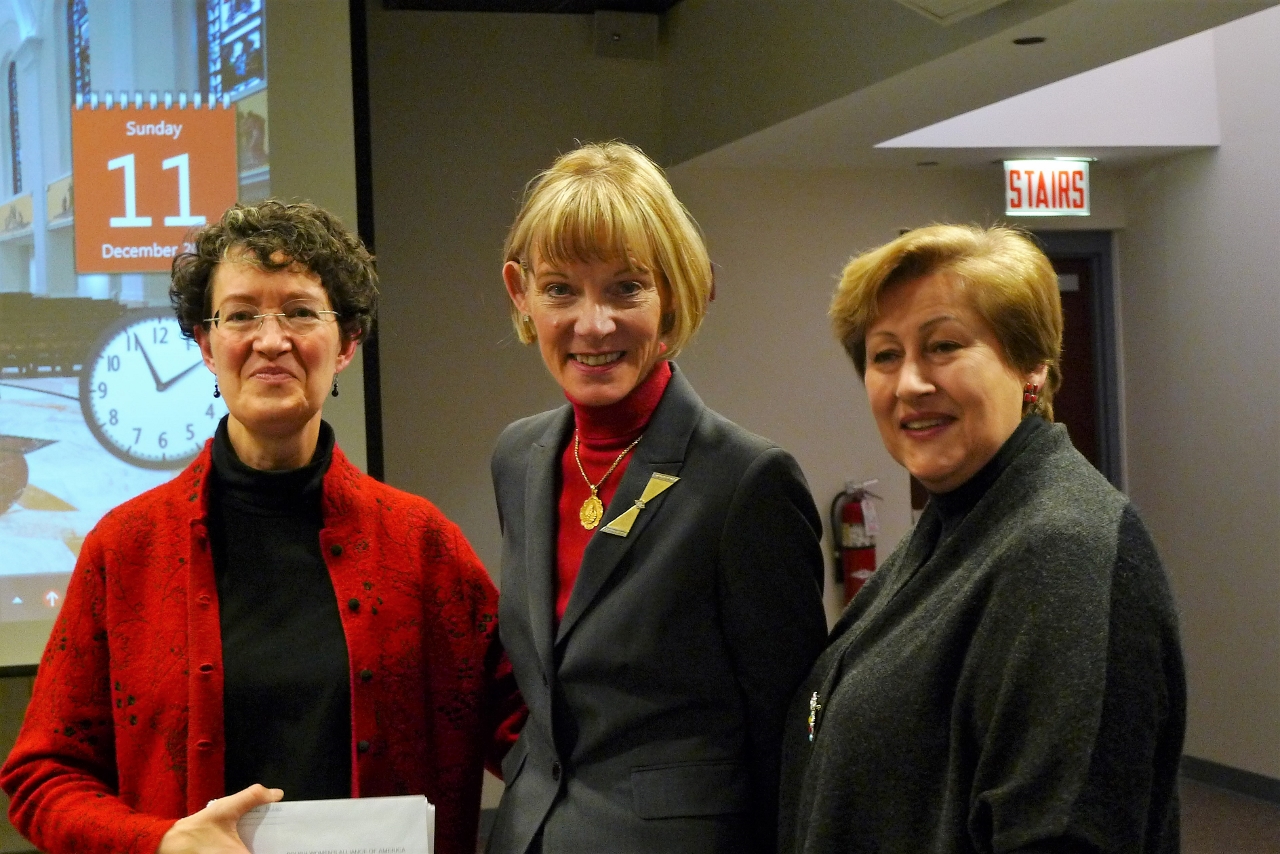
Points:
(400, 825)
(212, 830)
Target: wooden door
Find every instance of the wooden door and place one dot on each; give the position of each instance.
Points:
(1076, 403)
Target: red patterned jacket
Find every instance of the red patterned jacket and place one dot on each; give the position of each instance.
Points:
(124, 733)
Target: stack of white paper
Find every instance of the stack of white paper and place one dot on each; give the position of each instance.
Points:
(400, 825)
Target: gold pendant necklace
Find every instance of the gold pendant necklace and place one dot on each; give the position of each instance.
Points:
(592, 510)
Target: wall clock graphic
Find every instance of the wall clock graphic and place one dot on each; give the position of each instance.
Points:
(146, 394)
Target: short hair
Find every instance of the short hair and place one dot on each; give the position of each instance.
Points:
(608, 200)
(1009, 281)
(274, 235)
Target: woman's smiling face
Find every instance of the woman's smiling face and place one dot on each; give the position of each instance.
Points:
(274, 380)
(943, 395)
(598, 323)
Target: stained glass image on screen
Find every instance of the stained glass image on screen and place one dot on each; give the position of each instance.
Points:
(101, 397)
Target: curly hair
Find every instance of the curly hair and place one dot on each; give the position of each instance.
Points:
(1008, 280)
(274, 235)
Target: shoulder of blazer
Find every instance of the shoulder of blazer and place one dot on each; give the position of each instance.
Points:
(718, 431)
(709, 432)
(518, 437)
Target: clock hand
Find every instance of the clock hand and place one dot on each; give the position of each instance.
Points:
(164, 385)
(155, 376)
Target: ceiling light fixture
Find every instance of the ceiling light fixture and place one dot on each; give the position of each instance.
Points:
(1026, 40)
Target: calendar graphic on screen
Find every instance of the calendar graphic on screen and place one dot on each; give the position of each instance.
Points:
(146, 172)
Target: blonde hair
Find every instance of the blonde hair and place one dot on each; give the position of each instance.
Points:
(1008, 280)
(606, 201)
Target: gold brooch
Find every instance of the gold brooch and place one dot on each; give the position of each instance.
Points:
(658, 484)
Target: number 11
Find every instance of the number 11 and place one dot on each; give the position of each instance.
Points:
(131, 219)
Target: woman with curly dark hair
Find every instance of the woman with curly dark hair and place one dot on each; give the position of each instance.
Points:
(272, 617)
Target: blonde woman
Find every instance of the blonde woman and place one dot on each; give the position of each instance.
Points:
(661, 568)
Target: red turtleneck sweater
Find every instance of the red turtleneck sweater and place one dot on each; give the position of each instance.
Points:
(604, 432)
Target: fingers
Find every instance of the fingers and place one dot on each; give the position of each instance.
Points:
(233, 806)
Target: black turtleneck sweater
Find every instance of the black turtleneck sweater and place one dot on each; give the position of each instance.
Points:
(953, 506)
(286, 694)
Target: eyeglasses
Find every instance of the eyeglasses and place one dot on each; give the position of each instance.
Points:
(299, 316)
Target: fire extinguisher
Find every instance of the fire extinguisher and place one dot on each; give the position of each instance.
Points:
(854, 526)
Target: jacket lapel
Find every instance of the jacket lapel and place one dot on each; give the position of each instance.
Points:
(661, 451)
(541, 507)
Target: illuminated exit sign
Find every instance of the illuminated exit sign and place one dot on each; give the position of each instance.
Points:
(1046, 188)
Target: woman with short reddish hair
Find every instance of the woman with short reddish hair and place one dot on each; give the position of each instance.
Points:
(1011, 678)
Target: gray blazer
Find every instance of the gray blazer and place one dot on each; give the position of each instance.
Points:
(656, 707)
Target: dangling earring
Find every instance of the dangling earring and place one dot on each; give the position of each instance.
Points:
(335, 387)
(216, 391)
(1030, 394)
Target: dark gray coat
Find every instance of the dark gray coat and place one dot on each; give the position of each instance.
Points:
(1016, 684)
(656, 709)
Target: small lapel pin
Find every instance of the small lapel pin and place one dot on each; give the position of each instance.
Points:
(658, 484)
(814, 708)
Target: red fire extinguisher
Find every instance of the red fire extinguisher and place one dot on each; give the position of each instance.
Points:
(854, 527)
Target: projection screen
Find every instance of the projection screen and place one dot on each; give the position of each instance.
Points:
(126, 124)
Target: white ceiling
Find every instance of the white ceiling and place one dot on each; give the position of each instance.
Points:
(1144, 105)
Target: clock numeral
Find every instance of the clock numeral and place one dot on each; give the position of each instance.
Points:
(113, 363)
(209, 411)
(137, 435)
(160, 335)
(113, 418)
(191, 433)
(162, 441)
(101, 390)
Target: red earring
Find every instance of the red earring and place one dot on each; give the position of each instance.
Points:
(1031, 393)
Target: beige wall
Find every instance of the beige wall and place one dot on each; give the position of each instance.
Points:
(1200, 292)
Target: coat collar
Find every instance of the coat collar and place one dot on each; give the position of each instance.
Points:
(661, 450)
(540, 530)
